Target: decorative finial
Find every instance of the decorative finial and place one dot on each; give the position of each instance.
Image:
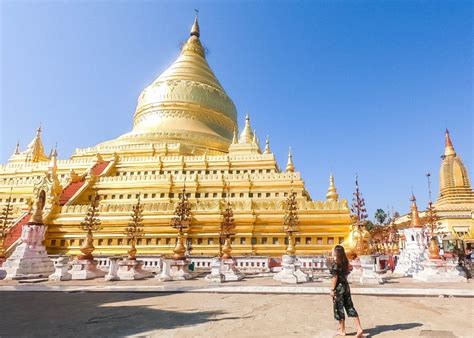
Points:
(267, 145)
(246, 135)
(235, 139)
(17, 148)
(290, 166)
(332, 194)
(254, 138)
(448, 146)
(195, 27)
(415, 217)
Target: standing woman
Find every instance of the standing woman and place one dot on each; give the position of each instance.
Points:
(341, 293)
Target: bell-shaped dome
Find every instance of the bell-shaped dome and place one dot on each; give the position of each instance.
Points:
(455, 187)
(186, 104)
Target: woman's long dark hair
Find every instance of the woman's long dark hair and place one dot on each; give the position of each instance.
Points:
(341, 258)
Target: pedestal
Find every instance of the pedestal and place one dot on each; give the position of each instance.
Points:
(290, 272)
(29, 260)
(356, 272)
(113, 267)
(175, 270)
(439, 271)
(216, 275)
(85, 269)
(230, 271)
(369, 274)
(61, 265)
(131, 269)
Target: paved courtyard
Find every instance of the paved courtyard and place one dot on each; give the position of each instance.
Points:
(225, 315)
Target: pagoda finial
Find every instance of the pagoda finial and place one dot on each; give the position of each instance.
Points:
(246, 135)
(290, 166)
(195, 27)
(267, 145)
(448, 145)
(17, 148)
(35, 150)
(332, 194)
(235, 139)
(254, 138)
(415, 217)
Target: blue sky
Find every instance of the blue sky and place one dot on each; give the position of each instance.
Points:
(363, 87)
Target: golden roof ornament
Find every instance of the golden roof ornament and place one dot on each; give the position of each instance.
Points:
(415, 217)
(246, 134)
(267, 145)
(448, 145)
(195, 27)
(332, 194)
(17, 148)
(235, 139)
(290, 166)
(34, 151)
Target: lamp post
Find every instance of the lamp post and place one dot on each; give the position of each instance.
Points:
(227, 230)
(134, 229)
(291, 222)
(90, 224)
(181, 221)
(4, 225)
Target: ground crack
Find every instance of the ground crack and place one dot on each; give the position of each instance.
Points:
(109, 317)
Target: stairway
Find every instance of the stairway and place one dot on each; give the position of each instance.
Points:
(73, 187)
(15, 231)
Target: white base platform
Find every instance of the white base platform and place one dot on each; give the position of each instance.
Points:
(85, 269)
(175, 270)
(130, 269)
(290, 272)
(29, 260)
(439, 271)
(61, 267)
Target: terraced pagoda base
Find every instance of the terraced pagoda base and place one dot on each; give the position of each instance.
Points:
(29, 260)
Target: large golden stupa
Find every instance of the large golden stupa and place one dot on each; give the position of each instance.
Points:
(184, 135)
(455, 203)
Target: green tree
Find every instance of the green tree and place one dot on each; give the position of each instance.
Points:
(380, 216)
(369, 226)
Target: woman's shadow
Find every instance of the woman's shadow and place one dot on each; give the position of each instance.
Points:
(384, 328)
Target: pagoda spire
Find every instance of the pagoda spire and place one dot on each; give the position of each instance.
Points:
(17, 148)
(235, 139)
(195, 27)
(415, 217)
(332, 194)
(448, 145)
(290, 166)
(254, 138)
(267, 146)
(246, 135)
(35, 150)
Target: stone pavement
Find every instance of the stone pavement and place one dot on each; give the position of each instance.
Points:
(86, 314)
(252, 284)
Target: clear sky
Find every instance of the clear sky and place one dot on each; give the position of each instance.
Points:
(363, 87)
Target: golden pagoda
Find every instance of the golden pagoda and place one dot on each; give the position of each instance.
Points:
(185, 134)
(455, 204)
